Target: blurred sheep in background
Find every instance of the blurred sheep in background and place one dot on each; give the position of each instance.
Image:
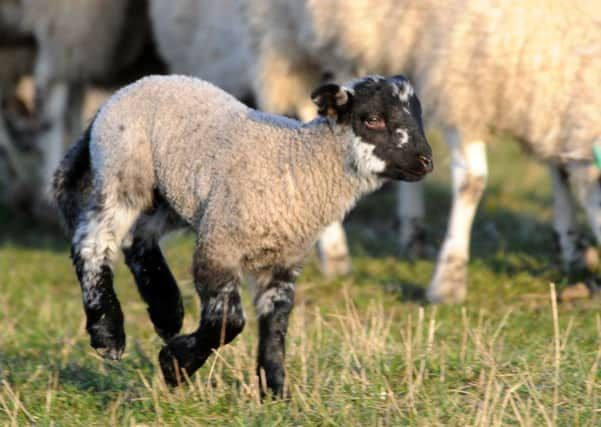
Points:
(74, 43)
(532, 69)
(205, 39)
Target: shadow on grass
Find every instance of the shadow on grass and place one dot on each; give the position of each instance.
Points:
(19, 229)
(83, 374)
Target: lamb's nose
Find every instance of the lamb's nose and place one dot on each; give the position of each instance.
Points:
(426, 162)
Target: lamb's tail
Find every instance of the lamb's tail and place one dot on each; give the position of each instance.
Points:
(73, 181)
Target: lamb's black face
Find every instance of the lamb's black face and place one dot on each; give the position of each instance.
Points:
(385, 116)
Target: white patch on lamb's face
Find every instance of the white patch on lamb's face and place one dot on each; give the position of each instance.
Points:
(403, 137)
(366, 162)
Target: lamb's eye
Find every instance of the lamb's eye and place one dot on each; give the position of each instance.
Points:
(374, 122)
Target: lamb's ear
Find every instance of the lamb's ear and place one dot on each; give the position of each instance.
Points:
(332, 100)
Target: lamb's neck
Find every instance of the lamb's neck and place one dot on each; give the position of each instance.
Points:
(323, 171)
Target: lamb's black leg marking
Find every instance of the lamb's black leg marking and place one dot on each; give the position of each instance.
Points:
(273, 305)
(222, 319)
(104, 318)
(156, 285)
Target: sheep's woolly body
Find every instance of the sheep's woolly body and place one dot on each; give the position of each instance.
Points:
(249, 180)
(66, 34)
(205, 39)
(532, 69)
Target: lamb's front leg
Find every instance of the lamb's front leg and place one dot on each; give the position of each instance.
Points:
(222, 319)
(469, 172)
(273, 304)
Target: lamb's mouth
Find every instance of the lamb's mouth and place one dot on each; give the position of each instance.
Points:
(409, 175)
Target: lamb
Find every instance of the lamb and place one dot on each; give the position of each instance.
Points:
(173, 151)
(532, 69)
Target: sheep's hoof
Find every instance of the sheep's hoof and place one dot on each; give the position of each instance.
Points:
(449, 283)
(414, 244)
(335, 266)
(418, 249)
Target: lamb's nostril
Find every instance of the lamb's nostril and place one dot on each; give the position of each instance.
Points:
(426, 162)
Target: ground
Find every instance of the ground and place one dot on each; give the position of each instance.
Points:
(362, 350)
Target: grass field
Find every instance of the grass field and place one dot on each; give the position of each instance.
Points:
(364, 350)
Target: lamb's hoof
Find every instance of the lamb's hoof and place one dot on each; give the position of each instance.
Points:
(169, 364)
(110, 353)
(449, 283)
(335, 266)
(180, 357)
(108, 344)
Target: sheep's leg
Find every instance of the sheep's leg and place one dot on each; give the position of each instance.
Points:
(411, 216)
(74, 109)
(156, 284)
(273, 305)
(469, 173)
(332, 251)
(222, 319)
(95, 246)
(585, 180)
(52, 103)
(564, 219)
(16, 173)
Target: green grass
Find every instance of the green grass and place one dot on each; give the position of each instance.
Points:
(363, 350)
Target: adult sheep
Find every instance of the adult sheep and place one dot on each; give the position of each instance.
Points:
(531, 68)
(205, 39)
(75, 43)
(257, 188)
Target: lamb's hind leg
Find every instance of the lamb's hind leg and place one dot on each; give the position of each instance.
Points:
(154, 280)
(222, 319)
(469, 173)
(273, 304)
(96, 243)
